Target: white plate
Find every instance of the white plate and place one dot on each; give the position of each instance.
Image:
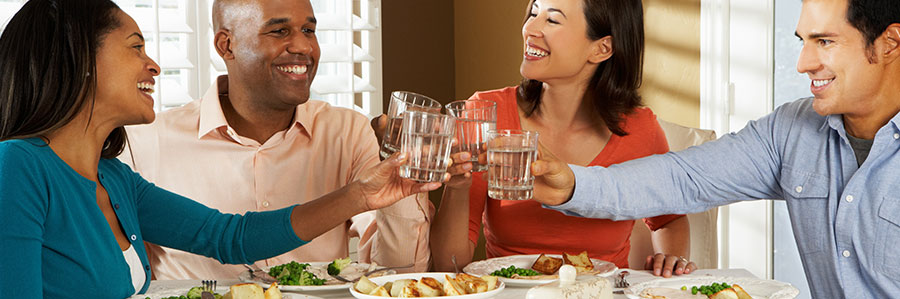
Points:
(486, 267)
(436, 275)
(221, 290)
(319, 269)
(757, 288)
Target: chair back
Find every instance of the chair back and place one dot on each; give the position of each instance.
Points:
(704, 241)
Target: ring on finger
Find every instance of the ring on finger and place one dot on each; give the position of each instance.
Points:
(683, 260)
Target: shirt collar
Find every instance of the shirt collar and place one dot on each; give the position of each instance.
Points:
(836, 122)
(212, 117)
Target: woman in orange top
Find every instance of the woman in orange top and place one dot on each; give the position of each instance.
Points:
(582, 69)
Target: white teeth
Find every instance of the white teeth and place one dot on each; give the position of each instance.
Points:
(297, 69)
(146, 87)
(820, 83)
(535, 52)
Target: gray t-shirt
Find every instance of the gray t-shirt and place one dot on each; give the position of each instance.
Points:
(861, 148)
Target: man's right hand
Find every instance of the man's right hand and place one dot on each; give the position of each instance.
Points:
(554, 181)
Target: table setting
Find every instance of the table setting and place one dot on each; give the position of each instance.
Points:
(637, 280)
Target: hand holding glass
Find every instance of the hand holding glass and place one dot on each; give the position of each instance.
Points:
(509, 157)
(402, 101)
(474, 118)
(426, 138)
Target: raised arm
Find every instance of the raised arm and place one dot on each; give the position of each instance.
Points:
(173, 221)
(739, 166)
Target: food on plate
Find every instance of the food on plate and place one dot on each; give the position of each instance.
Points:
(570, 287)
(335, 267)
(713, 291)
(380, 291)
(547, 265)
(512, 272)
(668, 293)
(364, 285)
(295, 274)
(252, 291)
(193, 293)
(581, 262)
(462, 284)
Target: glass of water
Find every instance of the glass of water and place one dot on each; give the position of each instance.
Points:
(474, 118)
(402, 101)
(509, 156)
(425, 138)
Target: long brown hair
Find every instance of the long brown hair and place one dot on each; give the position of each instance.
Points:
(48, 67)
(613, 89)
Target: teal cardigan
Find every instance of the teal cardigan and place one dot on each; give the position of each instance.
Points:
(56, 243)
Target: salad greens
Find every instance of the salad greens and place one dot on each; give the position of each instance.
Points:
(294, 274)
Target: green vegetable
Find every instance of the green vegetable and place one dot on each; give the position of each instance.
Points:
(294, 274)
(195, 293)
(709, 289)
(509, 271)
(335, 267)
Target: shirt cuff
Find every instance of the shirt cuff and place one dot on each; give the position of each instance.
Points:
(581, 197)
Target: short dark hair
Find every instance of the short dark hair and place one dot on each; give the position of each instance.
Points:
(48, 67)
(613, 89)
(872, 17)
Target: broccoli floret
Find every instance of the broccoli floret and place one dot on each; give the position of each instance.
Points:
(195, 293)
(335, 267)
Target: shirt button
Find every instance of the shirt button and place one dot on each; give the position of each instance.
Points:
(116, 206)
(265, 204)
(147, 267)
(849, 198)
(799, 189)
(101, 176)
(133, 238)
(896, 135)
(846, 253)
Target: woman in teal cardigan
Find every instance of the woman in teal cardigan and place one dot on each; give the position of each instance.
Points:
(73, 218)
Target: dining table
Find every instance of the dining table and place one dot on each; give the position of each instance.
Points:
(510, 292)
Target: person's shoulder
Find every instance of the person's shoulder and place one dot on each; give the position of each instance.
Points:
(641, 120)
(21, 156)
(497, 95)
(19, 150)
(175, 118)
(798, 112)
(325, 111)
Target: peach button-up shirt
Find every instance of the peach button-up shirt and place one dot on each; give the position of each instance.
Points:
(193, 151)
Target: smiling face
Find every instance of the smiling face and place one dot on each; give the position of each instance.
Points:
(556, 43)
(125, 75)
(846, 76)
(272, 50)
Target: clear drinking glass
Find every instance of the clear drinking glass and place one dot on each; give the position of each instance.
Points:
(474, 118)
(402, 101)
(426, 139)
(509, 155)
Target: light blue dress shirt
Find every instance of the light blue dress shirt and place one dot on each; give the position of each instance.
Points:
(846, 218)
(56, 243)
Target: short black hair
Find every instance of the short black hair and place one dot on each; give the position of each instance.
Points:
(872, 17)
(48, 67)
(613, 89)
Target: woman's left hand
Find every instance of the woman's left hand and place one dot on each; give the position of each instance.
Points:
(666, 265)
(382, 186)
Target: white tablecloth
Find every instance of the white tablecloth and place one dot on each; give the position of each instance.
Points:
(636, 276)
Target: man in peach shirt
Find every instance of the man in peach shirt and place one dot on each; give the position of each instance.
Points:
(255, 142)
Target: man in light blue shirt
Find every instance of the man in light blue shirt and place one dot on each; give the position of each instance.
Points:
(834, 158)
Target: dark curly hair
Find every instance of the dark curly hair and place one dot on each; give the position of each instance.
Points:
(48, 67)
(613, 89)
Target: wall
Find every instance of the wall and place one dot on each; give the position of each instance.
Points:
(488, 44)
(672, 60)
(417, 47)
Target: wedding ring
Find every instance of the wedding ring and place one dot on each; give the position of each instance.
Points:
(682, 259)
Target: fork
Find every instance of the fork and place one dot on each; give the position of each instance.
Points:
(256, 272)
(621, 283)
(341, 278)
(209, 286)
